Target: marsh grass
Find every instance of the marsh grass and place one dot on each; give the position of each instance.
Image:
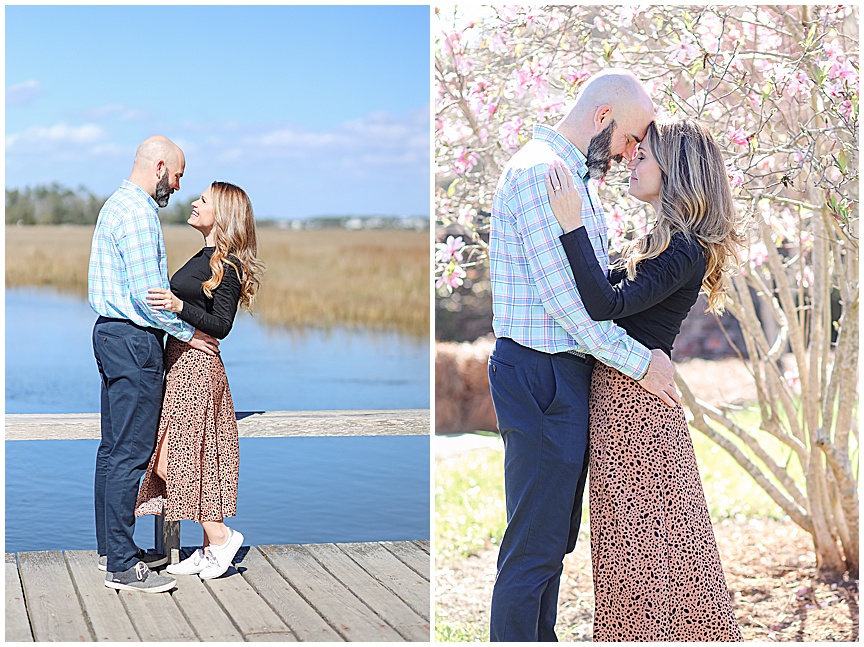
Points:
(320, 278)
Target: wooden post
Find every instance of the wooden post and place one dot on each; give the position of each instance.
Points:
(167, 538)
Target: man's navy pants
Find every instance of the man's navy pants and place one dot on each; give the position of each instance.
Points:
(129, 358)
(541, 402)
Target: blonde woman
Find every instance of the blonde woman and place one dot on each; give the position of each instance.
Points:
(193, 472)
(657, 572)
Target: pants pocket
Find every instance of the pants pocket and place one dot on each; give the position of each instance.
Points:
(544, 385)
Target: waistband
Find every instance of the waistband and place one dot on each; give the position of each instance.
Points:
(570, 355)
(155, 331)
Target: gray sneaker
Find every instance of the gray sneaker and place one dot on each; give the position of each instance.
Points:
(152, 560)
(139, 578)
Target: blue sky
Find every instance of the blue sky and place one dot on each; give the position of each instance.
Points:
(312, 110)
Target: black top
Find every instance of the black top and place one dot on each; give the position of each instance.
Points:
(213, 316)
(652, 306)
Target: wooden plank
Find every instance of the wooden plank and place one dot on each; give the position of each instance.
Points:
(103, 609)
(383, 601)
(392, 573)
(17, 622)
(250, 424)
(53, 607)
(156, 616)
(247, 610)
(423, 543)
(202, 611)
(412, 556)
(301, 618)
(352, 619)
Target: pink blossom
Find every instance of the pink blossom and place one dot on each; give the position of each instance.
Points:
(626, 16)
(739, 137)
(736, 178)
(846, 109)
(758, 254)
(576, 78)
(844, 71)
(451, 277)
(833, 50)
(508, 13)
(849, 73)
(451, 250)
(497, 44)
(685, 51)
(509, 133)
(466, 216)
(799, 85)
(465, 162)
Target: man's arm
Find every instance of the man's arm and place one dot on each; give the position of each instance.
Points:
(138, 243)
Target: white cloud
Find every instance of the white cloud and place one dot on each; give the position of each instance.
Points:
(39, 137)
(22, 93)
(379, 138)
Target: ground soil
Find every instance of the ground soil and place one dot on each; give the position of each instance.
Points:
(770, 569)
(770, 566)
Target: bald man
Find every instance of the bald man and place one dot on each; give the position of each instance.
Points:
(126, 259)
(546, 346)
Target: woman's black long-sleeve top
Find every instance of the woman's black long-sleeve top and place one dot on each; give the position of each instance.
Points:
(652, 306)
(213, 316)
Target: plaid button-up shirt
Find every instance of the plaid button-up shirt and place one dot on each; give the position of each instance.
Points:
(535, 301)
(127, 258)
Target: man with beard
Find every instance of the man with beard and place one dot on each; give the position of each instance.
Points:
(127, 258)
(540, 368)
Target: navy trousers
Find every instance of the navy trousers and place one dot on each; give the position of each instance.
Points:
(541, 402)
(129, 358)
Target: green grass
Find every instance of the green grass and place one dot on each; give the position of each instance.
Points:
(469, 492)
(459, 632)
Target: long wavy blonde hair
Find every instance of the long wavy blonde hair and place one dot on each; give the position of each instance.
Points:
(696, 201)
(236, 242)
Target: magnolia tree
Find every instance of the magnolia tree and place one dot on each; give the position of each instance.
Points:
(778, 87)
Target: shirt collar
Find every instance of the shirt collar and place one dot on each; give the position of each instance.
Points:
(564, 148)
(134, 188)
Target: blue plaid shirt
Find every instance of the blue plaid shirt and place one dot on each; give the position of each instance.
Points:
(534, 297)
(127, 258)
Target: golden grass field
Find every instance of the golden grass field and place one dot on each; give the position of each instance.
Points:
(319, 278)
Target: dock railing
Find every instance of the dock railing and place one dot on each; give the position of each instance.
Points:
(250, 424)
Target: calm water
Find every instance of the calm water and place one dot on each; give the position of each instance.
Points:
(291, 489)
(50, 366)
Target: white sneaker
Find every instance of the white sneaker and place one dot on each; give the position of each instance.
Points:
(219, 558)
(192, 565)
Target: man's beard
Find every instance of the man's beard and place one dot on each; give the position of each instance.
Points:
(600, 153)
(163, 190)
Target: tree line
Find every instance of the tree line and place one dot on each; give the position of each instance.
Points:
(54, 204)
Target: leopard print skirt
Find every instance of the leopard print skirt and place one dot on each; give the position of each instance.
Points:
(657, 572)
(199, 428)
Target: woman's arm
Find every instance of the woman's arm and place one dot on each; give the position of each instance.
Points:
(225, 299)
(655, 279)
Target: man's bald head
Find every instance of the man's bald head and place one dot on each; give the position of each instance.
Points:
(159, 164)
(156, 148)
(613, 95)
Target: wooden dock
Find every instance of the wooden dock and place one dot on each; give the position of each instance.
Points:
(250, 424)
(369, 592)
